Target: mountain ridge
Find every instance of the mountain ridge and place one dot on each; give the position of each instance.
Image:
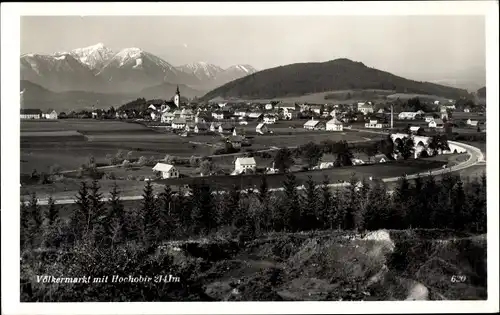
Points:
(312, 77)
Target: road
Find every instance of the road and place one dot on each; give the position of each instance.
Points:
(476, 157)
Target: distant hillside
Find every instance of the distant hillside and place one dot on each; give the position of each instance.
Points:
(482, 92)
(35, 96)
(340, 74)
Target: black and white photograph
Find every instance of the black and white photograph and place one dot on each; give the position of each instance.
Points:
(182, 156)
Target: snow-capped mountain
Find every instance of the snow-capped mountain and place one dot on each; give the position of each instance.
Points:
(202, 70)
(95, 56)
(133, 68)
(97, 68)
(58, 72)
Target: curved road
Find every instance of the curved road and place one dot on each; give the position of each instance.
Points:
(476, 157)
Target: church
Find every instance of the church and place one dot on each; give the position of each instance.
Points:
(173, 105)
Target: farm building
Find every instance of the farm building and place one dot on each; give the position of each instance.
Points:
(240, 113)
(236, 141)
(313, 125)
(429, 118)
(167, 170)
(178, 123)
(242, 164)
(472, 123)
(218, 115)
(375, 124)
(187, 114)
(436, 123)
(269, 119)
(255, 115)
(416, 129)
(31, 113)
(334, 125)
(226, 128)
(261, 128)
(214, 126)
(50, 114)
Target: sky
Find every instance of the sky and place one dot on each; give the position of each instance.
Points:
(419, 47)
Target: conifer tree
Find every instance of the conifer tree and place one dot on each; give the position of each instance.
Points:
(232, 211)
(79, 220)
(116, 216)
(52, 213)
(97, 215)
(168, 218)
(378, 208)
(460, 207)
(308, 214)
(265, 214)
(430, 203)
(327, 211)
(291, 203)
(351, 206)
(204, 218)
(36, 218)
(150, 231)
(401, 199)
(25, 224)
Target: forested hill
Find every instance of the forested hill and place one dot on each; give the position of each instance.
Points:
(340, 74)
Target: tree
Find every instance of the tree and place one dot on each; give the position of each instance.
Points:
(308, 216)
(149, 214)
(120, 155)
(130, 155)
(203, 215)
(351, 206)
(55, 169)
(81, 214)
(35, 218)
(378, 210)
(263, 197)
(142, 161)
(438, 143)
(386, 146)
(406, 147)
(344, 154)
(291, 204)
(168, 217)
(370, 150)
(52, 212)
(283, 160)
(327, 211)
(460, 207)
(116, 217)
(194, 161)
(311, 153)
(91, 162)
(402, 199)
(206, 167)
(25, 224)
(96, 210)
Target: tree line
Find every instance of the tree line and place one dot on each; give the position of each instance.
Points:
(102, 238)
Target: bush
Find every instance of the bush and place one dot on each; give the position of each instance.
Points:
(55, 169)
(194, 161)
(126, 164)
(130, 177)
(142, 161)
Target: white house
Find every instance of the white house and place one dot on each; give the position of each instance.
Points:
(167, 117)
(429, 118)
(324, 165)
(436, 123)
(334, 125)
(380, 158)
(179, 123)
(186, 114)
(261, 128)
(415, 129)
(376, 125)
(254, 115)
(152, 107)
(222, 105)
(407, 115)
(198, 128)
(466, 110)
(313, 125)
(269, 119)
(50, 114)
(268, 106)
(436, 102)
(153, 115)
(244, 163)
(472, 123)
(240, 113)
(167, 170)
(365, 108)
(218, 115)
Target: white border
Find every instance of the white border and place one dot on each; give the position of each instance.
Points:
(10, 45)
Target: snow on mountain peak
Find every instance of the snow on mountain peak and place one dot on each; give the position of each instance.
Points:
(94, 56)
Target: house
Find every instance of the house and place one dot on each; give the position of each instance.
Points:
(222, 105)
(444, 112)
(268, 106)
(240, 113)
(167, 170)
(244, 163)
(315, 109)
(375, 124)
(334, 125)
(153, 115)
(428, 118)
(187, 114)
(436, 123)
(226, 128)
(261, 128)
(313, 125)
(214, 126)
(408, 115)
(178, 123)
(167, 117)
(152, 107)
(31, 113)
(365, 108)
(380, 158)
(472, 123)
(50, 114)
(269, 119)
(357, 161)
(199, 119)
(451, 106)
(436, 102)
(218, 115)
(254, 115)
(466, 110)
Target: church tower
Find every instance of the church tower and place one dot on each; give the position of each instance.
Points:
(177, 98)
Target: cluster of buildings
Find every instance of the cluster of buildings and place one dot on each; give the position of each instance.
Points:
(38, 114)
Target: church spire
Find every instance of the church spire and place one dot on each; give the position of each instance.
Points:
(177, 91)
